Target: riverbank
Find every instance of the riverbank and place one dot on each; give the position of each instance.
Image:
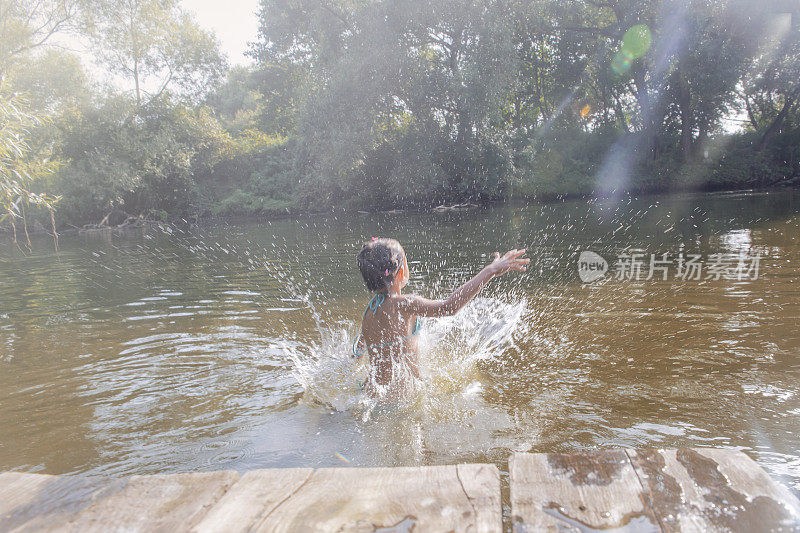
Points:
(134, 223)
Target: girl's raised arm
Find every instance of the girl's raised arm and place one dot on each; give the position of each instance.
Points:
(424, 307)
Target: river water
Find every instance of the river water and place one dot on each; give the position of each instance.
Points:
(225, 346)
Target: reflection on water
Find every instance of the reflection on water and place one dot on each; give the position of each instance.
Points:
(220, 347)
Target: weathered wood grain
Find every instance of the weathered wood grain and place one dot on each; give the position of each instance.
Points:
(706, 489)
(594, 490)
(431, 498)
(173, 502)
(252, 499)
(700, 489)
(48, 501)
(481, 483)
(18, 489)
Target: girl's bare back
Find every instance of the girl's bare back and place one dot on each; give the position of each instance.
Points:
(389, 339)
(391, 320)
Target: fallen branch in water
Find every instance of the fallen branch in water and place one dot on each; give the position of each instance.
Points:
(130, 222)
(455, 207)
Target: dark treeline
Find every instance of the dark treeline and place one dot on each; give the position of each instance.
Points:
(385, 104)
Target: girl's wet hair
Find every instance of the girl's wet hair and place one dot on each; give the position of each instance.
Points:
(379, 260)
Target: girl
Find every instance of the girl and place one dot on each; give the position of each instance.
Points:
(392, 320)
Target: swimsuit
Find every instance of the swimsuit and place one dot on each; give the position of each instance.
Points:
(376, 302)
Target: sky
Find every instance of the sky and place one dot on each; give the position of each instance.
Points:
(233, 21)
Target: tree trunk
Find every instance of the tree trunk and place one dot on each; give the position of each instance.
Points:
(620, 114)
(776, 125)
(136, 81)
(649, 130)
(684, 98)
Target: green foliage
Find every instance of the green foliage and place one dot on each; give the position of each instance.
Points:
(403, 103)
(565, 163)
(131, 161)
(51, 81)
(153, 43)
(21, 170)
(26, 25)
(237, 102)
(243, 203)
(743, 165)
(264, 175)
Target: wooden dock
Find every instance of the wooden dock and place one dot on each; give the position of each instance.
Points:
(700, 489)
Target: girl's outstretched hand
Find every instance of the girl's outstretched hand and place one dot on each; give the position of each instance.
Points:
(510, 261)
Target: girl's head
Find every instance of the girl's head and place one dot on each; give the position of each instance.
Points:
(380, 261)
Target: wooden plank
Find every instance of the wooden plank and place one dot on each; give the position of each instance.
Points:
(50, 501)
(594, 490)
(481, 483)
(252, 499)
(706, 489)
(172, 502)
(18, 489)
(431, 498)
(699, 489)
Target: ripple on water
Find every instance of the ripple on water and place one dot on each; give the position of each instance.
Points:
(178, 350)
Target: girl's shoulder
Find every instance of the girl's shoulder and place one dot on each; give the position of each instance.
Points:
(404, 299)
(407, 303)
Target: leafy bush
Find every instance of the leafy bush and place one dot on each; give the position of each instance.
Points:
(263, 176)
(126, 160)
(243, 203)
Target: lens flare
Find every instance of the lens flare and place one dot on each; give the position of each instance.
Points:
(621, 62)
(635, 43)
(637, 40)
(341, 457)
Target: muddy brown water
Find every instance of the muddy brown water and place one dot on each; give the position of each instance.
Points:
(174, 350)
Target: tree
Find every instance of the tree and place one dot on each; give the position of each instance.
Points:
(52, 80)
(20, 169)
(771, 87)
(237, 102)
(142, 162)
(702, 85)
(154, 45)
(372, 73)
(26, 25)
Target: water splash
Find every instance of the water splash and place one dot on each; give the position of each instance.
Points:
(450, 350)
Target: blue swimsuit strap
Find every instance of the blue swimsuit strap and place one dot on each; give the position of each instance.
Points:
(376, 302)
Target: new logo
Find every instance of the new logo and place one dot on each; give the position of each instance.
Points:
(591, 266)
